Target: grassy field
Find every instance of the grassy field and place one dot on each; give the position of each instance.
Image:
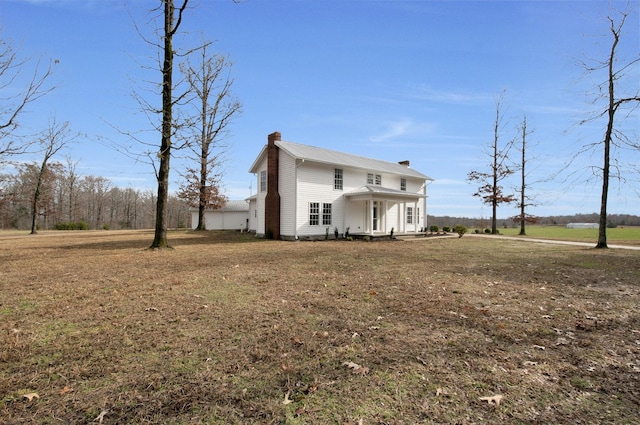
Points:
(628, 235)
(226, 329)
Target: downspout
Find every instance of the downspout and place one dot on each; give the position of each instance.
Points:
(344, 214)
(424, 190)
(295, 200)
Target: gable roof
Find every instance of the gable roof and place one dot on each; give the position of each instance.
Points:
(229, 206)
(328, 156)
(235, 205)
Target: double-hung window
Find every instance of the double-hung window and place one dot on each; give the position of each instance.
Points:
(314, 213)
(409, 215)
(263, 181)
(337, 179)
(326, 214)
(403, 184)
(374, 179)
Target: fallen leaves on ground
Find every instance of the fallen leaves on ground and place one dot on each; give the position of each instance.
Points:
(287, 400)
(100, 417)
(495, 399)
(357, 369)
(66, 390)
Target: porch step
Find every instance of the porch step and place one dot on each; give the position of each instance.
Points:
(409, 237)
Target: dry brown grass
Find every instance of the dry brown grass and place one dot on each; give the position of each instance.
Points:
(229, 330)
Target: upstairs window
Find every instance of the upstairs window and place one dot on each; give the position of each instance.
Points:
(403, 184)
(263, 181)
(374, 179)
(337, 179)
(369, 178)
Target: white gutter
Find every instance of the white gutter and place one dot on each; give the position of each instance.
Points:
(425, 205)
(295, 200)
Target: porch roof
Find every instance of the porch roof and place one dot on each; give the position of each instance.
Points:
(371, 192)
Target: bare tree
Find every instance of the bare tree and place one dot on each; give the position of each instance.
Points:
(525, 200)
(490, 189)
(26, 91)
(96, 204)
(614, 138)
(71, 183)
(209, 79)
(171, 25)
(56, 137)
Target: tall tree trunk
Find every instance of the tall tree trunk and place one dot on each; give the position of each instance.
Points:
(602, 225)
(36, 197)
(522, 188)
(160, 237)
(204, 152)
(494, 201)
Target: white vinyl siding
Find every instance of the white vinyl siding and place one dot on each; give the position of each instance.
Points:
(287, 189)
(221, 220)
(259, 223)
(312, 187)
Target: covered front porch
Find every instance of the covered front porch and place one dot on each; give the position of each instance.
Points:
(377, 211)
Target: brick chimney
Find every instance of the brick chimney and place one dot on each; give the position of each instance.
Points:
(405, 163)
(272, 200)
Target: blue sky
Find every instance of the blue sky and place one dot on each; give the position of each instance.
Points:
(392, 80)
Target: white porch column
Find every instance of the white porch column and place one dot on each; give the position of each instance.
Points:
(384, 212)
(415, 217)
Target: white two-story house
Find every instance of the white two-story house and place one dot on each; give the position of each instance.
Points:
(305, 191)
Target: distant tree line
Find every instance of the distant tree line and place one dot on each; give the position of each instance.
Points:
(613, 220)
(70, 201)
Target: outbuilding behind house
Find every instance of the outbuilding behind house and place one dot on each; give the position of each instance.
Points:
(582, 225)
(233, 216)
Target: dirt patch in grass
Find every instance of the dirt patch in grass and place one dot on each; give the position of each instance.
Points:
(226, 329)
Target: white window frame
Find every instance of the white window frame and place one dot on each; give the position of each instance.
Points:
(403, 184)
(263, 181)
(314, 213)
(409, 215)
(338, 179)
(374, 179)
(326, 214)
